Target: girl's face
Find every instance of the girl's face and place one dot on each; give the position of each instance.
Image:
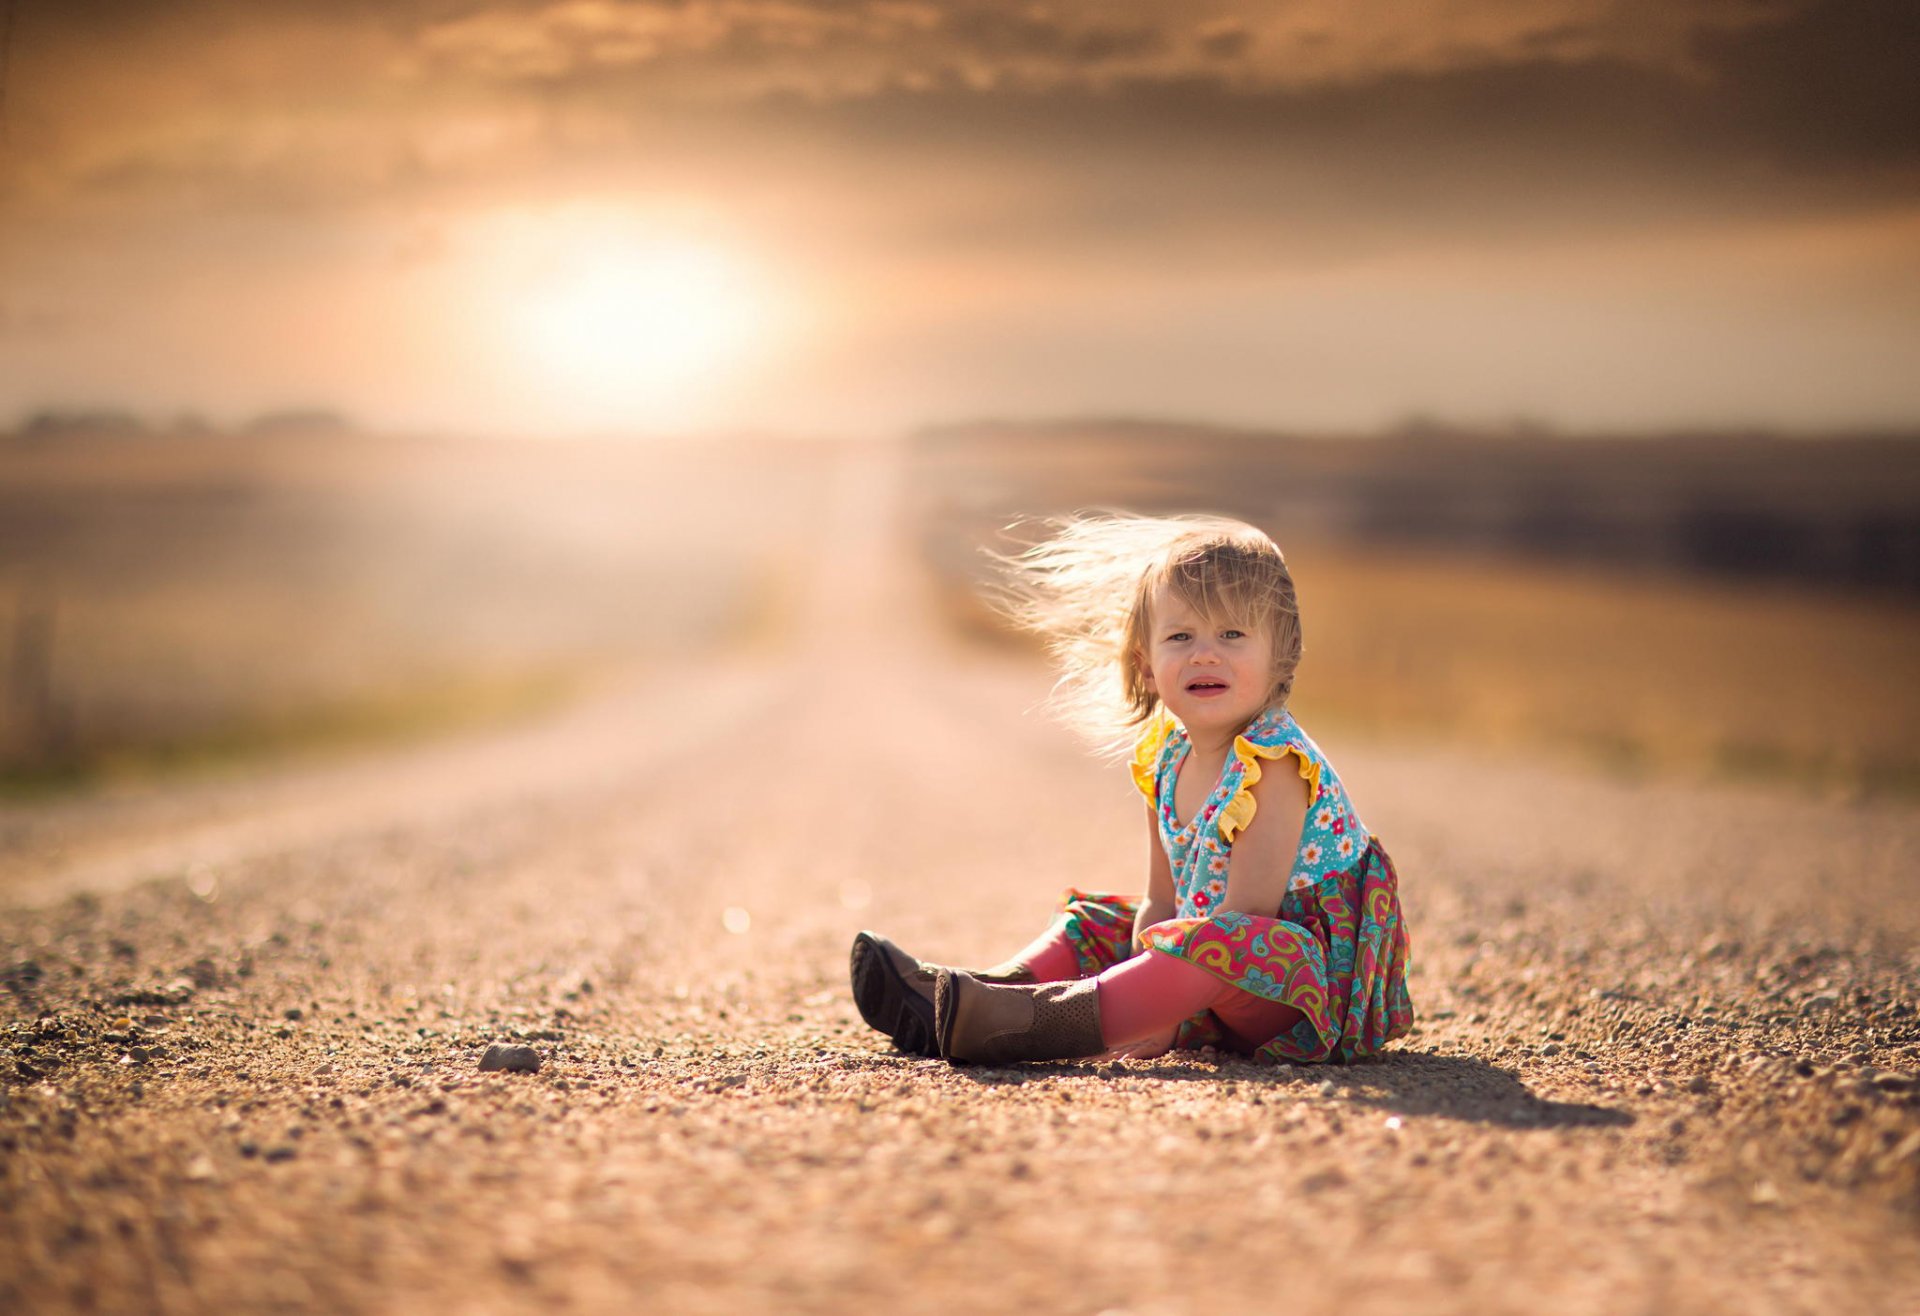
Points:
(1215, 677)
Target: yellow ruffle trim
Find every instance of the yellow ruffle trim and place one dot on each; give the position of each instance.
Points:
(1239, 810)
(1146, 752)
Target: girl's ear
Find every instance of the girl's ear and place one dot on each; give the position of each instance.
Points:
(1142, 666)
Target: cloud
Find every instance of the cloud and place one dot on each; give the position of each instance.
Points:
(830, 49)
(1089, 126)
(851, 48)
(1831, 84)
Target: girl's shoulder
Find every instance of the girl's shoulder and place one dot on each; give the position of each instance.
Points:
(1275, 734)
(1327, 796)
(1269, 738)
(1160, 733)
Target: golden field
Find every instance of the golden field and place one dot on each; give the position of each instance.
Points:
(1638, 672)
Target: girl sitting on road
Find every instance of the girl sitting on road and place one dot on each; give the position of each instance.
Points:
(1271, 919)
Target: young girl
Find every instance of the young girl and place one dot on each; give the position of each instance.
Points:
(1271, 921)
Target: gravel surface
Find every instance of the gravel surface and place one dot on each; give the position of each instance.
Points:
(1668, 1057)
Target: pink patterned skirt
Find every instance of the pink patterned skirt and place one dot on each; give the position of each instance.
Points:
(1337, 954)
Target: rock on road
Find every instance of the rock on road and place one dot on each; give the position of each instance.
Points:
(1667, 1058)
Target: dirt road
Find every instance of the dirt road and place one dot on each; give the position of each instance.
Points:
(1668, 1059)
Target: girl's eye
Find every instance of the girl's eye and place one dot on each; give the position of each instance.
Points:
(1233, 634)
(1179, 637)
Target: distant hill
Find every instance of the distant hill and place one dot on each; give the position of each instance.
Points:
(83, 425)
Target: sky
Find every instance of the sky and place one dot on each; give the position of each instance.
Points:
(863, 216)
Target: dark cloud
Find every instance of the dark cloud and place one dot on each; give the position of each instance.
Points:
(1223, 39)
(850, 47)
(1524, 149)
(1119, 118)
(1000, 33)
(1836, 84)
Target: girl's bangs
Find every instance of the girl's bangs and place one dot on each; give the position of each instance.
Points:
(1224, 587)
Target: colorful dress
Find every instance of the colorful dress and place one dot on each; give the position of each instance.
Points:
(1337, 953)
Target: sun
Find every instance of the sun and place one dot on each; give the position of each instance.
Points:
(644, 323)
(640, 319)
(609, 318)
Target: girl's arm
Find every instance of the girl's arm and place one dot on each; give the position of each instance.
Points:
(1157, 905)
(1263, 853)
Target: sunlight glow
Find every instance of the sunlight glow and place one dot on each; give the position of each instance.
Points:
(639, 320)
(611, 319)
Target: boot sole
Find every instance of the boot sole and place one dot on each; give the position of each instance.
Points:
(887, 1001)
(944, 991)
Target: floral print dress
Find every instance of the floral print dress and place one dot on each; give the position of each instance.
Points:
(1337, 953)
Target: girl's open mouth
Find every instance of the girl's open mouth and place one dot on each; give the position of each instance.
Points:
(1205, 687)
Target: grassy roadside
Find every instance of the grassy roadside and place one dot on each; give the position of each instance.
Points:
(392, 716)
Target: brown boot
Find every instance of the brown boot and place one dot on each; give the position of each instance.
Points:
(894, 991)
(992, 1024)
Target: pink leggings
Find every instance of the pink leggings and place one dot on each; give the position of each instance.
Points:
(1150, 994)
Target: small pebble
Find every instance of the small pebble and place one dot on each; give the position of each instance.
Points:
(511, 1059)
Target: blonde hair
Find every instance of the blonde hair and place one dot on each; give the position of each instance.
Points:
(1085, 590)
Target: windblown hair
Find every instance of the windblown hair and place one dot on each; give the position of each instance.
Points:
(1085, 590)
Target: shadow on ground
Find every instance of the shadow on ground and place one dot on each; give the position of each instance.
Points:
(1403, 1082)
(1464, 1088)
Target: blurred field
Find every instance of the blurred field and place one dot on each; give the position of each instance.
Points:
(1640, 659)
(1636, 674)
(167, 599)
